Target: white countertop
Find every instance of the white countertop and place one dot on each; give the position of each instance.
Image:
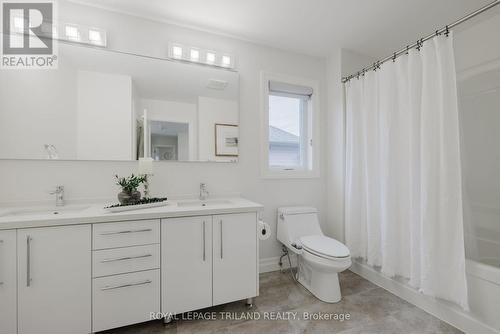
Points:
(95, 213)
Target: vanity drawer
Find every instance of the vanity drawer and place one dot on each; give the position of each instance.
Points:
(123, 300)
(125, 260)
(125, 234)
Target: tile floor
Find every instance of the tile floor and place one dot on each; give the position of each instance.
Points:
(371, 310)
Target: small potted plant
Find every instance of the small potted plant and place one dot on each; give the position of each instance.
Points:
(129, 194)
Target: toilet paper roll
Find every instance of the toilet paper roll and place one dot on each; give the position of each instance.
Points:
(264, 230)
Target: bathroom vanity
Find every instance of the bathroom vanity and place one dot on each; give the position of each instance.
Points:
(75, 271)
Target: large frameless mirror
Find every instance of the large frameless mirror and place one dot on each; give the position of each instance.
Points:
(107, 105)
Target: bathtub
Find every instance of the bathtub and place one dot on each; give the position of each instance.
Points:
(483, 276)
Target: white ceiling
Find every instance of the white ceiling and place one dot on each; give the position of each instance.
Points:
(314, 27)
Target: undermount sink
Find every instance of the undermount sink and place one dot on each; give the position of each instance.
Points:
(40, 210)
(198, 203)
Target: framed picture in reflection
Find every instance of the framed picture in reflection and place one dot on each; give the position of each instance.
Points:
(226, 140)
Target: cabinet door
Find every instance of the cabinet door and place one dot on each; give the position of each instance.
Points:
(235, 257)
(8, 282)
(186, 247)
(54, 280)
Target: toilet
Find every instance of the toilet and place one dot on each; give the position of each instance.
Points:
(320, 258)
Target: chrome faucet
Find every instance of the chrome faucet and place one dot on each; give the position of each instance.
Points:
(203, 192)
(59, 192)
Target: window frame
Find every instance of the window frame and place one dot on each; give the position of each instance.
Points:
(311, 167)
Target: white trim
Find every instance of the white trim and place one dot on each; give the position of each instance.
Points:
(267, 172)
(440, 309)
(272, 263)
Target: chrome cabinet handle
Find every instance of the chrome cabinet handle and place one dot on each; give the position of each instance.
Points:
(127, 231)
(113, 287)
(221, 241)
(126, 258)
(204, 242)
(28, 261)
(1, 242)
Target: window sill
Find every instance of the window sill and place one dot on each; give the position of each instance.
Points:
(289, 174)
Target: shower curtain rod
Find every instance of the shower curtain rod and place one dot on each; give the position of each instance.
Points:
(418, 44)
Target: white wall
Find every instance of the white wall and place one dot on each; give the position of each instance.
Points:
(104, 116)
(477, 55)
(210, 112)
(30, 180)
(339, 64)
(476, 41)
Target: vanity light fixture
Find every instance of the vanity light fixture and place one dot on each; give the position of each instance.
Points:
(226, 61)
(177, 51)
(46, 27)
(54, 32)
(96, 37)
(210, 57)
(197, 55)
(18, 23)
(80, 34)
(194, 55)
(63, 31)
(72, 33)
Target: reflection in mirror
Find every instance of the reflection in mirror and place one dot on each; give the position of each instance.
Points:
(169, 140)
(106, 105)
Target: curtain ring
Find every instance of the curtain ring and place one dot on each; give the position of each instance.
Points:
(447, 32)
(394, 57)
(419, 44)
(407, 49)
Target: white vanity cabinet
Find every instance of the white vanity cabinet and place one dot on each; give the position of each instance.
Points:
(208, 261)
(126, 273)
(186, 264)
(8, 282)
(54, 280)
(235, 269)
(80, 275)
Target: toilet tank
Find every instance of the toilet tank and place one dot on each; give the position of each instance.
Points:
(295, 222)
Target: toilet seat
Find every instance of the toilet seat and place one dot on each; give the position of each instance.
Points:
(325, 247)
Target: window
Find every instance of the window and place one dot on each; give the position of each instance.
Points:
(289, 127)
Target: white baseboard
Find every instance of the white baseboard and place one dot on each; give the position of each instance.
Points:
(272, 263)
(447, 312)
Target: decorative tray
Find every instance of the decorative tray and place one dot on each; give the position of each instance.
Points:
(142, 204)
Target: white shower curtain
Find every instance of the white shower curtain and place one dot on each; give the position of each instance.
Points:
(403, 174)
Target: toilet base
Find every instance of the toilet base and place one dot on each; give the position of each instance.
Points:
(325, 287)
(321, 281)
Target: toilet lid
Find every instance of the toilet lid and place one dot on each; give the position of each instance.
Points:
(324, 246)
